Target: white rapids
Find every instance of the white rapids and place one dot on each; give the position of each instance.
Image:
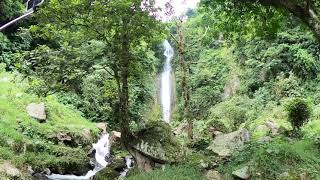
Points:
(166, 83)
(129, 165)
(102, 148)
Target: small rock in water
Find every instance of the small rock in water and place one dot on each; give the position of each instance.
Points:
(30, 170)
(47, 171)
(37, 111)
(242, 173)
(40, 176)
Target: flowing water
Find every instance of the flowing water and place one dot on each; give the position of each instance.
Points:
(129, 165)
(166, 83)
(102, 148)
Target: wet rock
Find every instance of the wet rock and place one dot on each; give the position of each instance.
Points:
(30, 170)
(214, 175)
(9, 170)
(118, 163)
(46, 171)
(242, 173)
(102, 127)
(224, 145)
(40, 176)
(107, 173)
(37, 111)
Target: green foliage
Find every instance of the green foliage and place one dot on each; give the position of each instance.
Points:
(25, 141)
(299, 111)
(9, 9)
(170, 173)
(268, 161)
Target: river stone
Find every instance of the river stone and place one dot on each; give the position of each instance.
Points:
(157, 142)
(214, 175)
(37, 111)
(9, 170)
(242, 173)
(224, 145)
(40, 176)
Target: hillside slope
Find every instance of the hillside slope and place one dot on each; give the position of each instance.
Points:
(60, 144)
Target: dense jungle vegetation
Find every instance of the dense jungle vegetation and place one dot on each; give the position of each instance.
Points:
(246, 89)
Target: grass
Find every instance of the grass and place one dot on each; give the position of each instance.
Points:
(171, 173)
(24, 141)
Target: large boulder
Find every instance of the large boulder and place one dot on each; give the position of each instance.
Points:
(224, 145)
(157, 142)
(9, 170)
(37, 111)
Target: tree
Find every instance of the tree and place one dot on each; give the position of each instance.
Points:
(181, 45)
(122, 25)
(305, 10)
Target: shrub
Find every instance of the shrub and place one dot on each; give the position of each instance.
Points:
(298, 111)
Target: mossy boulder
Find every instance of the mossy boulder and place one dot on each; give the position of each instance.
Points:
(157, 142)
(107, 173)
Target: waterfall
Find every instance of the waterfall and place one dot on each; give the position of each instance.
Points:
(166, 83)
(129, 163)
(102, 148)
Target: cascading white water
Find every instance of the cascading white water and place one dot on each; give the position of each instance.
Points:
(166, 83)
(102, 148)
(129, 163)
